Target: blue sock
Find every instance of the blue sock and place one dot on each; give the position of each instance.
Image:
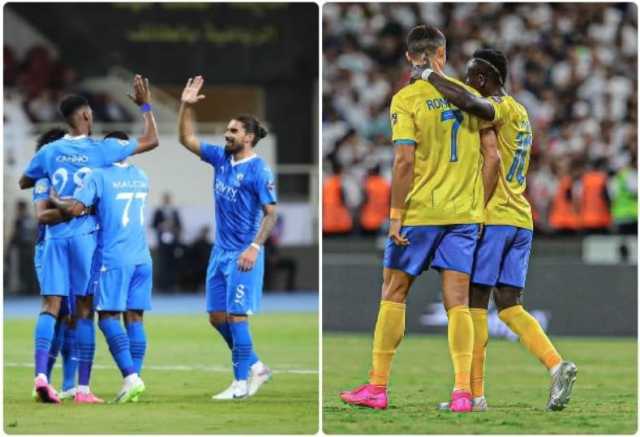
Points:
(86, 348)
(56, 344)
(118, 342)
(45, 327)
(225, 331)
(242, 349)
(137, 344)
(69, 357)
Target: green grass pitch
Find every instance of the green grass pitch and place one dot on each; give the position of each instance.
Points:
(186, 363)
(604, 399)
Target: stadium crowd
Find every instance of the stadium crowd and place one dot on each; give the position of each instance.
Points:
(42, 80)
(574, 67)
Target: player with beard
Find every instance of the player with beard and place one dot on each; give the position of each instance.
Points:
(245, 200)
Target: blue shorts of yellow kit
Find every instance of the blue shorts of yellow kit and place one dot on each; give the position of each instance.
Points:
(502, 257)
(231, 290)
(66, 265)
(124, 288)
(67, 305)
(446, 247)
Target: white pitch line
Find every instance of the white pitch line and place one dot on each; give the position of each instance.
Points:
(179, 368)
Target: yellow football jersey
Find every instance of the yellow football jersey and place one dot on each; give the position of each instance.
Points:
(508, 206)
(447, 181)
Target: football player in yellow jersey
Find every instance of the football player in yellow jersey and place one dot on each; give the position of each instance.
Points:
(502, 256)
(437, 207)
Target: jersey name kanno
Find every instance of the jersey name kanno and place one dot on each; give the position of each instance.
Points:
(447, 182)
(240, 190)
(119, 193)
(508, 206)
(66, 162)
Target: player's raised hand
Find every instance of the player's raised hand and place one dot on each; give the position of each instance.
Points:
(141, 90)
(247, 259)
(394, 233)
(191, 93)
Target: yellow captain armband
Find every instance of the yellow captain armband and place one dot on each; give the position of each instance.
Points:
(396, 213)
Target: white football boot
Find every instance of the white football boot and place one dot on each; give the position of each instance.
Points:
(237, 390)
(259, 374)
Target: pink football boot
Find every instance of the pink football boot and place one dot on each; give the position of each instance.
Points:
(87, 398)
(46, 393)
(367, 395)
(461, 402)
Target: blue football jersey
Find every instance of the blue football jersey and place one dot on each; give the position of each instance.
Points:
(41, 192)
(119, 193)
(240, 189)
(66, 162)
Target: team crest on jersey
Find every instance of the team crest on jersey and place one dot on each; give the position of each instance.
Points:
(41, 188)
(394, 118)
(240, 177)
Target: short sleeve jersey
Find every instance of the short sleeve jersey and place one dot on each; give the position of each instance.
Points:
(66, 162)
(508, 206)
(447, 182)
(240, 189)
(119, 193)
(41, 192)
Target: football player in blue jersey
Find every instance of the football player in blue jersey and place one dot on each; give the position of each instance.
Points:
(245, 209)
(124, 274)
(63, 340)
(68, 253)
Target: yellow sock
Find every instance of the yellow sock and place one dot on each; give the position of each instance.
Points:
(461, 345)
(480, 339)
(386, 338)
(531, 335)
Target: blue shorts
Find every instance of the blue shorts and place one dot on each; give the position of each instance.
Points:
(124, 288)
(446, 247)
(66, 265)
(502, 256)
(229, 289)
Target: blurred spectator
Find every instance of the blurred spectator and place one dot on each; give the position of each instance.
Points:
(564, 216)
(276, 263)
(594, 199)
(623, 190)
(42, 80)
(573, 66)
(168, 226)
(336, 218)
(377, 196)
(197, 260)
(21, 247)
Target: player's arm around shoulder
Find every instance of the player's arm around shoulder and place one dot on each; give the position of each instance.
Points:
(460, 96)
(83, 197)
(190, 96)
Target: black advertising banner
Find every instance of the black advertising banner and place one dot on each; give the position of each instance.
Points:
(226, 42)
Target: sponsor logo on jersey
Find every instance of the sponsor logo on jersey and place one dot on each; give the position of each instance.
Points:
(72, 158)
(226, 191)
